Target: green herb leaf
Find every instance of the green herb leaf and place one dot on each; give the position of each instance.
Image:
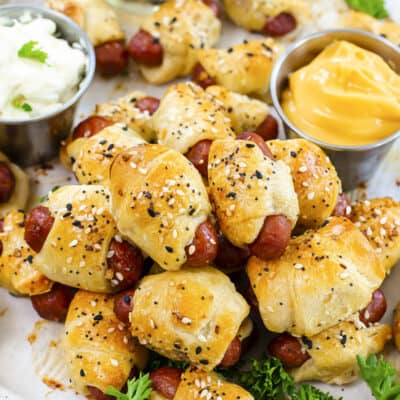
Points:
(158, 361)
(46, 196)
(19, 102)
(375, 8)
(380, 376)
(308, 392)
(138, 389)
(30, 50)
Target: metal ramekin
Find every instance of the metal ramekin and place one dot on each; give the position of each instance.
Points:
(355, 164)
(35, 140)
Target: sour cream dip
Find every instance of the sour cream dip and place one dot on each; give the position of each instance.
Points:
(39, 71)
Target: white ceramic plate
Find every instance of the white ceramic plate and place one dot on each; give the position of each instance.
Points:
(26, 364)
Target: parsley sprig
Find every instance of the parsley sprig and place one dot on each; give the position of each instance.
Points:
(375, 8)
(138, 389)
(20, 103)
(31, 51)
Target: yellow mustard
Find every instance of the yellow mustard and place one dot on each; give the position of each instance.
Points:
(345, 96)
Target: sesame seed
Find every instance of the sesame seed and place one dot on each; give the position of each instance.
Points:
(202, 338)
(69, 260)
(383, 220)
(119, 276)
(114, 362)
(143, 171)
(298, 266)
(133, 165)
(348, 210)
(118, 238)
(111, 330)
(310, 195)
(303, 169)
(82, 264)
(125, 340)
(305, 184)
(382, 232)
(368, 231)
(73, 243)
(192, 249)
(110, 253)
(93, 303)
(344, 275)
(152, 324)
(186, 321)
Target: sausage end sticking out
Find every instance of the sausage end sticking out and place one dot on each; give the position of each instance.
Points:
(200, 77)
(126, 262)
(232, 354)
(258, 140)
(288, 349)
(229, 257)
(37, 227)
(146, 49)
(165, 381)
(53, 305)
(97, 394)
(268, 129)
(343, 207)
(273, 237)
(148, 103)
(204, 246)
(375, 309)
(123, 305)
(7, 182)
(279, 25)
(215, 7)
(111, 58)
(198, 156)
(90, 126)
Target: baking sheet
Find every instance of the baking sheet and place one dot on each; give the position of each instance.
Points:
(29, 351)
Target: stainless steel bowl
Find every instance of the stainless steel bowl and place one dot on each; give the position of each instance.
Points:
(355, 164)
(35, 140)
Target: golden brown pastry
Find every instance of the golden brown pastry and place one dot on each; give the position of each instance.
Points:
(360, 20)
(181, 27)
(246, 114)
(396, 326)
(333, 352)
(14, 190)
(96, 17)
(379, 220)
(190, 315)
(323, 277)
(257, 15)
(17, 273)
(93, 156)
(315, 179)
(158, 201)
(187, 115)
(98, 348)
(244, 68)
(76, 248)
(246, 187)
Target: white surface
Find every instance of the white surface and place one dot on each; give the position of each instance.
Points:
(23, 365)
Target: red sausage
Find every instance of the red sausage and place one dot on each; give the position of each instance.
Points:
(53, 305)
(145, 49)
(123, 305)
(214, 6)
(273, 237)
(7, 182)
(201, 77)
(90, 126)
(1, 230)
(204, 247)
(232, 354)
(280, 25)
(342, 208)
(111, 58)
(148, 103)
(268, 129)
(198, 156)
(127, 263)
(229, 257)
(288, 349)
(165, 381)
(258, 140)
(97, 394)
(375, 309)
(37, 227)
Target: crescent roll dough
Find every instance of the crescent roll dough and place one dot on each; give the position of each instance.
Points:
(187, 115)
(17, 274)
(98, 348)
(360, 20)
(20, 195)
(75, 251)
(245, 187)
(315, 179)
(244, 68)
(96, 17)
(253, 14)
(125, 110)
(182, 27)
(189, 315)
(379, 220)
(93, 156)
(158, 201)
(334, 352)
(246, 114)
(322, 278)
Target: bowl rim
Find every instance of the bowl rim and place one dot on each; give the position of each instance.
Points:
(90, 55)
(277, 104)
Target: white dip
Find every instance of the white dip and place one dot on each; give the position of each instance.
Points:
(44, 76)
